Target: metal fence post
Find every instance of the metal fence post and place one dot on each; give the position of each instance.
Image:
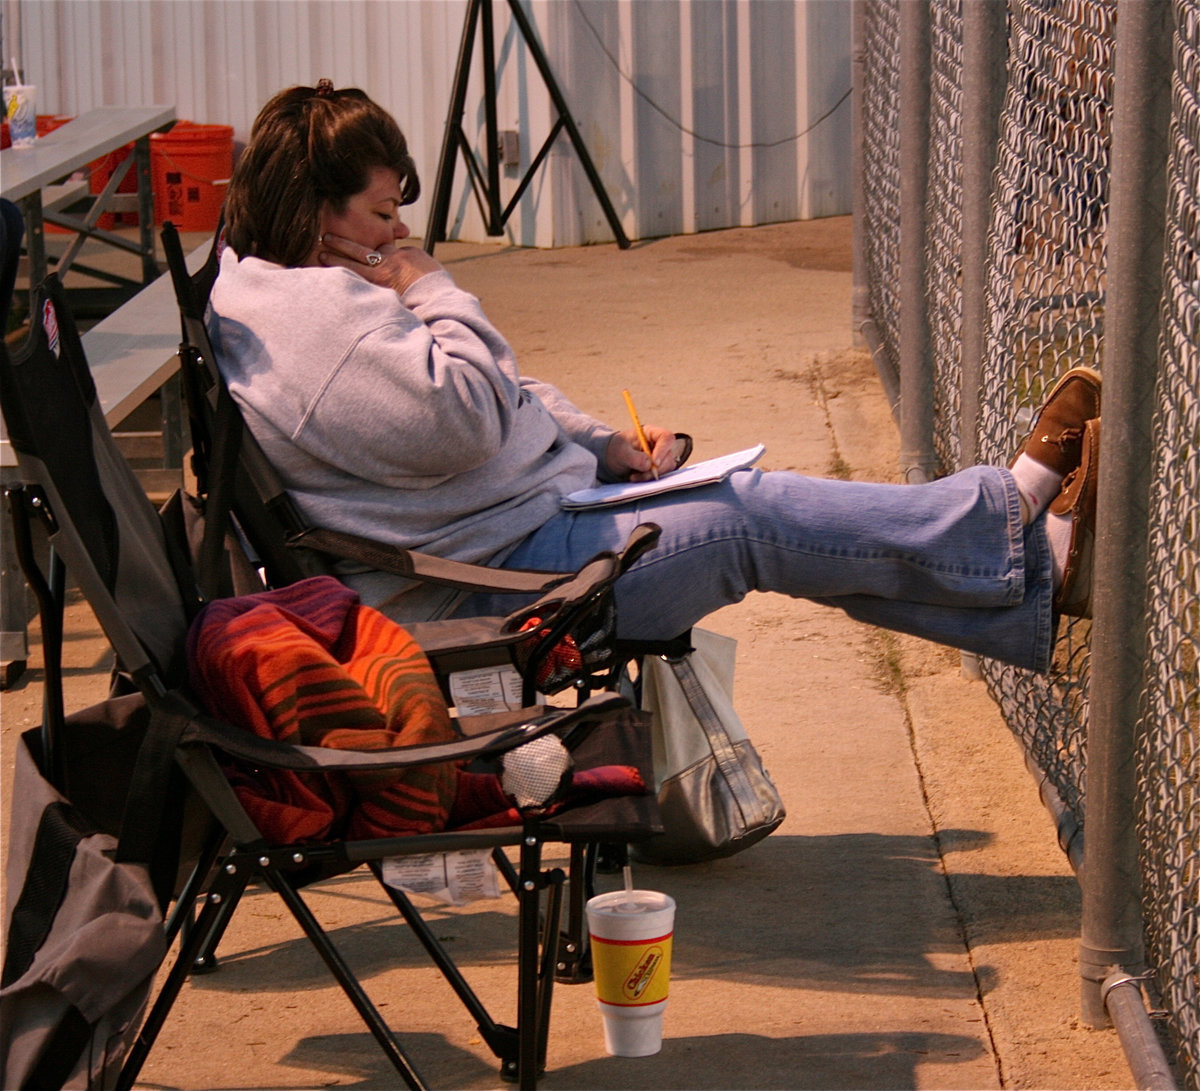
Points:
(860, 300)
(984, 49)
(1111, 933)
(917, 459)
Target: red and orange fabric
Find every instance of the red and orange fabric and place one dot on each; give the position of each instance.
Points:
(310, 664)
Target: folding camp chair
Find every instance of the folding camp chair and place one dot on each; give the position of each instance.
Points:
(143, 589)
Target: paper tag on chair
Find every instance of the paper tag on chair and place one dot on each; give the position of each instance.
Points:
(487, 689)
(453, 878)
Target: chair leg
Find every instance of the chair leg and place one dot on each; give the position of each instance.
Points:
(225, 890)
(549, 960)
(182, 919)
(574, 965)
(522, 1054)
(535, 974)
(48, 589)
(205, 961)
(500, 1039)
(344, 976)
(504, 866)
(224, 883)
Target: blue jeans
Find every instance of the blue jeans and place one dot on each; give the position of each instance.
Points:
(948, 561)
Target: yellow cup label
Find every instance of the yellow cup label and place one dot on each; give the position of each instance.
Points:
(631, 973)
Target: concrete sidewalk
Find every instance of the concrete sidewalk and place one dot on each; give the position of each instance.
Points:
(911, 925)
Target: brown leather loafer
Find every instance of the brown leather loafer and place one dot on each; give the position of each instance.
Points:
(1078, 499)
(1057, 436)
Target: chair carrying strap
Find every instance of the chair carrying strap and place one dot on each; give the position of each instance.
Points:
(150, 827)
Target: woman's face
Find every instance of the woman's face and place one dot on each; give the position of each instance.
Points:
(371, 217)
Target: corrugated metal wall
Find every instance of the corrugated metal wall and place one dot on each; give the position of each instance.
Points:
(699, 114)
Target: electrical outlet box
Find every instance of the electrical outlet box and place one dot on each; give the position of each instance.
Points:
(510, 147)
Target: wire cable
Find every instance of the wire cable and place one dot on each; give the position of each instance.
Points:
(678, 124)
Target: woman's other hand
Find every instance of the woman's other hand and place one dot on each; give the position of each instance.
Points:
(625, 459)
(390, 266)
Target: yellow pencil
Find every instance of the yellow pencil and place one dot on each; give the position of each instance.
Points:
(641, 435)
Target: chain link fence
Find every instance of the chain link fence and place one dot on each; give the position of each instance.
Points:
(1045, 299)
(1015, 297)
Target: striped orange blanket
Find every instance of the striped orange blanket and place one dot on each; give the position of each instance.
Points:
(310, 664)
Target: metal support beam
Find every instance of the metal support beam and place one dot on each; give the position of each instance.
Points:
(485, 179)
(917, 460)
(1111, 931)
(984, 50)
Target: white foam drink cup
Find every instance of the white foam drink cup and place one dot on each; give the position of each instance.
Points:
(631, 934)
(20, 108)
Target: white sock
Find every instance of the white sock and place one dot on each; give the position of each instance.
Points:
(1058, 533)
(1037, 484)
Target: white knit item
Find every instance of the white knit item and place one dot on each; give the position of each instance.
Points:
(533, 772)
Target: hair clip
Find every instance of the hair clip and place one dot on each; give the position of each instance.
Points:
(325, 88)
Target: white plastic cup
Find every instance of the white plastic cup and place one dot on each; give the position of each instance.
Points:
(20, 105)
(631, 935)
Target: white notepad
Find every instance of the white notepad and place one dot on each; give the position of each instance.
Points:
(686, 477)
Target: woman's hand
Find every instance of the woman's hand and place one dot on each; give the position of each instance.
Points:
(625, 459)
(391, 266)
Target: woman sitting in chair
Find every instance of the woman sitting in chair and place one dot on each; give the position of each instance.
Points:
(393, 409)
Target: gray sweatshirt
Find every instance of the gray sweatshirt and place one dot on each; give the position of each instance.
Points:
(400, 418)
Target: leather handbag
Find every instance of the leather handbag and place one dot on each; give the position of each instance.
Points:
(714, 794)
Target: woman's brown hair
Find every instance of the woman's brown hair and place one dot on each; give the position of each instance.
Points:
(309, 146)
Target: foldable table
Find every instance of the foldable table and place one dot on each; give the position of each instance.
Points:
(29, 175)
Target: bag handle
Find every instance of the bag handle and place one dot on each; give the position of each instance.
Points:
(719, 741)
(143, 838)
